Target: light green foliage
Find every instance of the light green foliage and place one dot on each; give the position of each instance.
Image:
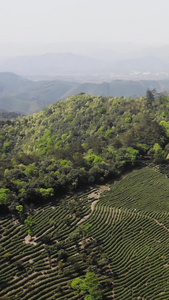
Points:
(66, 163)
(133, 153)
(22, 191)
(77, 285)
(19, 208)
(143, 147)
(31, 170)
(4, 194)
(63, 137)
(109, 133)
(6, 146)
(165, 124)
(101, 129)
(69, 117)
(29, 223)
(89, 297)
(102, 110)
(45, 143)
(93, 159)
(128, 119)
(159, 153)
(46, 193)
(89, 286)
(19, 183)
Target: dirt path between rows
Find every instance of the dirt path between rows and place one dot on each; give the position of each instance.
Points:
(94, 195)
(161, 224)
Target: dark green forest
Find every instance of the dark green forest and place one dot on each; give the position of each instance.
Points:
(77, 143)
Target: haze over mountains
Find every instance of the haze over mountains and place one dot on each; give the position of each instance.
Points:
(50, 73)
(87, 62)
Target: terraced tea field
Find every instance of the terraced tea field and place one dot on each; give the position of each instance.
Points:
(127, 246)
(43, 267)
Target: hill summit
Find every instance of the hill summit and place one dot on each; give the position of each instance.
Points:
(79, 142)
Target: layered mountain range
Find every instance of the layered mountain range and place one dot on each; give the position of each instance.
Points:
(25, 96)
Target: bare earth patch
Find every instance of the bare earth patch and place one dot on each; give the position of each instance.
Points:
(15, 222)
(30, 240)
(96, 194)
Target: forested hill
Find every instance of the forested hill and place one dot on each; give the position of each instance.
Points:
(79, 142)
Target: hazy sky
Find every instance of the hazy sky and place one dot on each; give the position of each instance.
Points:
(51, 21)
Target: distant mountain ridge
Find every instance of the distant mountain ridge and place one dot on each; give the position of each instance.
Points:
(24, 96)
(118, 88)
(75, 67)
(52, 64)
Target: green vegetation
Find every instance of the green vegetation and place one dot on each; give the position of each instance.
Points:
(119, 250)
(19, 208)
(4, 195)
(79, 142)
(46, 265)
(132, 221)
(142, 190)
(29, 223)
(89, 286)
(65, 237)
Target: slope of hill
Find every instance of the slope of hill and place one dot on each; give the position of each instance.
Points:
(125, 245)
(25, 96)
(58, 228)
(78, 142)
(133, 227)
(118, 88)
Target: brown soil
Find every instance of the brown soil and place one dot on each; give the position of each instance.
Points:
(30, 240)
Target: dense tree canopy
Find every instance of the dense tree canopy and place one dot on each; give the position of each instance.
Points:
(88, 286)
(78, 142)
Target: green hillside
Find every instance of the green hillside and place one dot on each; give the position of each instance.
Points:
(136, 240)
(145, 190)
(126, 248)
(84, 200)
(77, 143)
